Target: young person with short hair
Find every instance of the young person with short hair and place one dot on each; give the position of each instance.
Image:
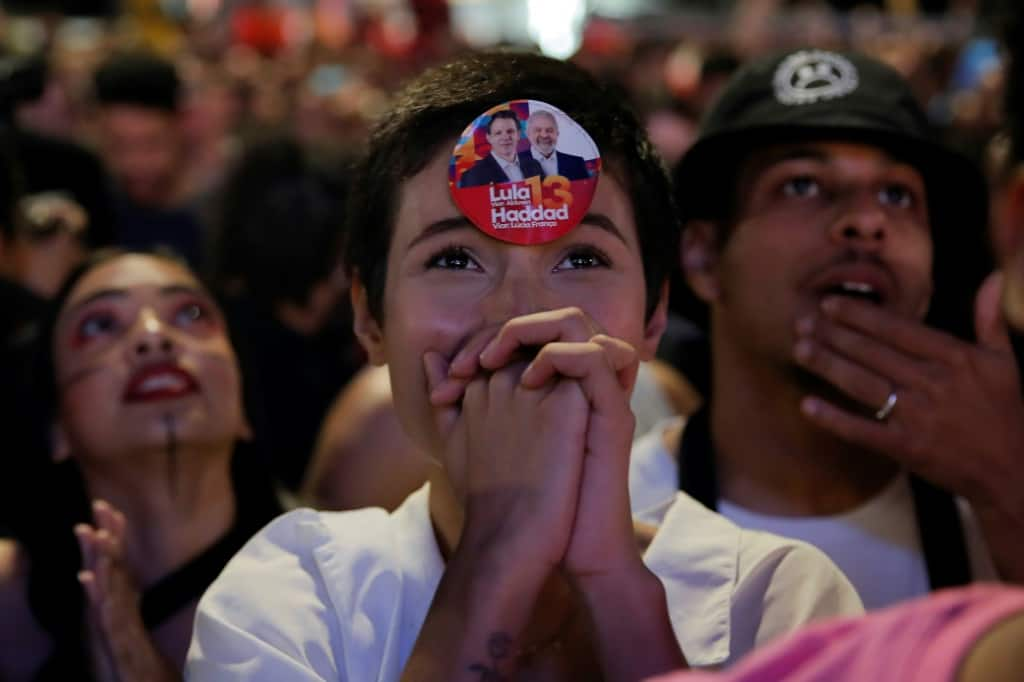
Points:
(511, 367)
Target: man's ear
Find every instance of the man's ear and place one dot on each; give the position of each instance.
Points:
(368, 330)
(698, 251)
(60, 448)
(656, 324)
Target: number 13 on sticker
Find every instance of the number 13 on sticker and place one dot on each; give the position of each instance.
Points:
(559, 186)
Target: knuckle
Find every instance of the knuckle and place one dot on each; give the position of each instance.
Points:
(915, 446)
(476, 389)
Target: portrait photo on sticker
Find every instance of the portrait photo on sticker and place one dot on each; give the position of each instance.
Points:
(525, 172)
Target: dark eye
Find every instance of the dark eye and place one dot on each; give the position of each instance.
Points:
(190, 313)
(896, 195)
(801, 186)
(580, 259)
(452, 258)
(96, 324)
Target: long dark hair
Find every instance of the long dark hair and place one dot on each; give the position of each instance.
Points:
(45, 532)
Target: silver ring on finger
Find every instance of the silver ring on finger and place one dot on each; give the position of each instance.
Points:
(890, 404)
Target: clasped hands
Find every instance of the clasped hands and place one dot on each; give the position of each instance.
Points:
(538, 450)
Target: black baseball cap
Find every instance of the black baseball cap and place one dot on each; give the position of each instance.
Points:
(810, 94)
(138, 78)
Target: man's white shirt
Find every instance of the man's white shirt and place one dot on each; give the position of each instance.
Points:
(511, 168)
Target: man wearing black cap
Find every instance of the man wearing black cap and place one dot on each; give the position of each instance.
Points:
(830, 240)
(140, 125)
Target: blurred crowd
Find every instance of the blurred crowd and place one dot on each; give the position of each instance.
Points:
(227, 138)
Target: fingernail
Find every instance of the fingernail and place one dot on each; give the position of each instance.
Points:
(456, 362)
(810, 406)
(486, 352)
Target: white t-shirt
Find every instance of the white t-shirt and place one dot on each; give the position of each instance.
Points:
(343, 595)
(549, 163)
(877, 545)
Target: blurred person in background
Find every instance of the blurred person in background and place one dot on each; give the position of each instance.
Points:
(146, 491)
(139, 125)
(46, 162)
(277, 271)
(54, 207)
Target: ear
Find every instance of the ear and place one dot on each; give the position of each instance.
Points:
(60, 448)
(366, 327)
(698, 252)
(656, 324)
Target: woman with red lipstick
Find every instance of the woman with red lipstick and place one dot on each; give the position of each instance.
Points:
(143, 506)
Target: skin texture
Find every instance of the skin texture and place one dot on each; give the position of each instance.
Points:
(829, 362)
(154, 457)
(511, 367)
(122, 319)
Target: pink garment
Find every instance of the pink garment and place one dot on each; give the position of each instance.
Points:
(923, 640)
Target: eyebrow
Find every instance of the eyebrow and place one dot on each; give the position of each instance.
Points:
(598, 220)
(440, 227)
(603, 222)
(169, 290)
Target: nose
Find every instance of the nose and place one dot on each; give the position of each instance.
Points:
(151, 337)
(861, 222)
(514, 296)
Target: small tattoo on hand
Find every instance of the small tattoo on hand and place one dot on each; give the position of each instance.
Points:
(499, 648)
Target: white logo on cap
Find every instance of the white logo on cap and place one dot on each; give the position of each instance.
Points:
(811, 76)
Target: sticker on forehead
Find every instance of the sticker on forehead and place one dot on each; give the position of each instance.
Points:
(524, 172)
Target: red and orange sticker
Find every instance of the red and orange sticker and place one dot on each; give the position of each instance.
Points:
(524, 172)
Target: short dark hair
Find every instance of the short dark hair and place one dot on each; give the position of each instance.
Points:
(504, 113)
(140, 79)
(433, 109)
(281, 222)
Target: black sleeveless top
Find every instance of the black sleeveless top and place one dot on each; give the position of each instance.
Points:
(56, 598)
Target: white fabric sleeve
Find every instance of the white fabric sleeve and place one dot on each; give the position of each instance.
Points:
(267, 617)
(780, 590)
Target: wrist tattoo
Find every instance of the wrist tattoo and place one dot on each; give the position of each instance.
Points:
(499, 649)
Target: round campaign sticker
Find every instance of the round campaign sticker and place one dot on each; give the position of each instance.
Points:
(524, 172)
